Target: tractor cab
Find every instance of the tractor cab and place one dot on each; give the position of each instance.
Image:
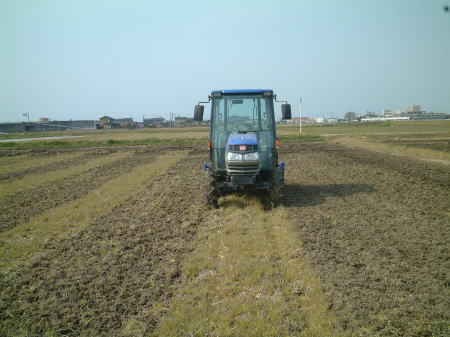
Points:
(242, 139)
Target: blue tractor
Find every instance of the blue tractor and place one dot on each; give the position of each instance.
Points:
(243, 144)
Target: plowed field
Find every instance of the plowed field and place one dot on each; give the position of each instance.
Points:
(127, 247)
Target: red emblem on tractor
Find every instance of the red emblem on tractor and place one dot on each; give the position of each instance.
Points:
(242, 147)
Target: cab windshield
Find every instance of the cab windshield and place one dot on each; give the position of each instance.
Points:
(242, 114)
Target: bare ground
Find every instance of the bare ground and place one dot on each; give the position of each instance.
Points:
(442, 144)
(376, 228)
(96, 282)
(48, 167)
(20, 207)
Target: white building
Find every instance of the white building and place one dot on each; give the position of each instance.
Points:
(414, 109)
(320, 120)
(384, 119)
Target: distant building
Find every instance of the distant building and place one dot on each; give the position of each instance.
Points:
(12, 127)
(180, 121)
(383, 119)
(414, 109)
(48, 126)
(423, 115)
(125, 122)
(387, 112)
(156, 122)
(295, 120)
(107, 122)
(320, 120)
(60, 125)
(43, 120)
(184, 121)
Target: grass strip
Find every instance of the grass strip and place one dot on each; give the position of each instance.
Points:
(51, 144)
(28, 238)
(34, 180)
(247, 277)
(22, 162)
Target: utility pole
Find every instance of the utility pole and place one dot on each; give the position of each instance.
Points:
(171, 119)
(28, 117)
(300, 120)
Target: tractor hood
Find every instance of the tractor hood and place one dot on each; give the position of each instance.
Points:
(242, 139)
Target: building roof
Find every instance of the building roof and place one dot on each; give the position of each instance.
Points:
(123, 120)
(118, 120)
(154, 119)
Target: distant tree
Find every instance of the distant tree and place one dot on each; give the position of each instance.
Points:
(350, 116)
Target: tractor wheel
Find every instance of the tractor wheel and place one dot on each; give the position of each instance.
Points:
(274, 197)
(276, 191)
(212, 194)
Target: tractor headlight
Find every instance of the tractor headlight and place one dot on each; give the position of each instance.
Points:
(251, 156)
(231, 156)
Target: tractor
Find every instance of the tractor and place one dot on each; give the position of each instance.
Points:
(243, 146)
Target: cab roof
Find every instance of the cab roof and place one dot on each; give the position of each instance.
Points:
(241, 91)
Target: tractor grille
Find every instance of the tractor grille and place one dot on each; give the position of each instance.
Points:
(242, 168)
(249, 148)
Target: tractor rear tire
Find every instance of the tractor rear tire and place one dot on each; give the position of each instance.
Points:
(276, 191)
(212, 194)
(274, 197)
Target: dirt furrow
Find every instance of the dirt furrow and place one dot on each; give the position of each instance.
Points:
(57, 164)
(20, 207)
(104, 280)
(376, 229)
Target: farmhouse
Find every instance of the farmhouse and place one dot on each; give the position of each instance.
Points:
(155, 122)
(107, 122)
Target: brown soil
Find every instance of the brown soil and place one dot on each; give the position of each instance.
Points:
(39, 152)
(52, 166)
(100, 149)
(431, 144)
(376, 230)
(21, 206)
(93, 283)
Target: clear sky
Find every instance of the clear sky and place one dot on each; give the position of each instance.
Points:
(83, 59)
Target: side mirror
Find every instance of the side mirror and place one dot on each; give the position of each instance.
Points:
(286, 111)
(198, 112)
